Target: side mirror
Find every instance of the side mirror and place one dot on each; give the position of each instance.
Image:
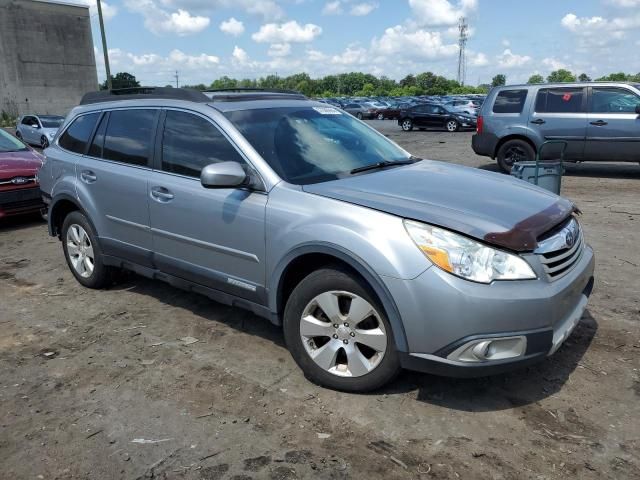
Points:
(638, 109)
(36, 126)
(223, 175)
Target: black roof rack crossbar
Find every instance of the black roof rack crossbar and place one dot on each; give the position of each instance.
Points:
(137, 93)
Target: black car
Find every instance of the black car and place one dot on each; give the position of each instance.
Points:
(431, 115)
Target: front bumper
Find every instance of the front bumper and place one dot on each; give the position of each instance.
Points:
(441, 312)
(20, 201)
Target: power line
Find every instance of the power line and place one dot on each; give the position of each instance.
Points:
(463, 28)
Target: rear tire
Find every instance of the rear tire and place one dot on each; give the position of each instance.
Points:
(338, 333)
(83, 253)
(512, 151)
(359, 115)
(380, 116)
(452, 126)
(407, 125)
(18, 134)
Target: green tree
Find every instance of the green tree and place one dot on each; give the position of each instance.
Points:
(121, 80)
(561, 76)
(499, 80)
(408, 81)
(224, 82)
(583, 77)
(535, 79)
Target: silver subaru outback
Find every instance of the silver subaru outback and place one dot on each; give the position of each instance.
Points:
(370, 258)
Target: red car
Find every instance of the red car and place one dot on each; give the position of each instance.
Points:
(19, 189)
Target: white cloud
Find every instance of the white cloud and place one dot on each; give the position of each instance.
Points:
(400, 41)
(159, 21)
(478, 60)
(287, 32)
(590, 25)
(352, 55)
(332, 8)
(441, 12)
(554, 63)
(268, 9)
(239, 55)
(508, 59)
(279, 49)
(363, 9)
(625, 3)
(232, 27)
(177, 57)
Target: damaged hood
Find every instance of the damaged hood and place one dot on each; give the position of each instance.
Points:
(488, 206)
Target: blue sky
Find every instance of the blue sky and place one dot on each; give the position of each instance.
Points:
(205, 39)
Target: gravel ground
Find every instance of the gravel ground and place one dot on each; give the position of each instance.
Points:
(99, 384)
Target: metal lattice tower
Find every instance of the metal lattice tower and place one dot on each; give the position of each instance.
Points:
(463, 28)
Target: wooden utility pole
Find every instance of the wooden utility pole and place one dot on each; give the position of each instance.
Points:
(104, 46)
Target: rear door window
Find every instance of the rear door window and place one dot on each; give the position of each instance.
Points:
(190, 143)
(613, 100)
(560, 100)
(75, 137)
(129, 136)
(510, 101)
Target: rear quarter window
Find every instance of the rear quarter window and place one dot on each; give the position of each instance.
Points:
(510, 101)
(75, 137)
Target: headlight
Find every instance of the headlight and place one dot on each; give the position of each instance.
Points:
(467, 258)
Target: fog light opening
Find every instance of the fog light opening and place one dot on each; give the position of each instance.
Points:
(490, 349)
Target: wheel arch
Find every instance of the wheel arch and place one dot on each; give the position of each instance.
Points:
(60, 207)
(305, 259)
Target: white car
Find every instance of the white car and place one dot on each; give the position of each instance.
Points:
(38, 129)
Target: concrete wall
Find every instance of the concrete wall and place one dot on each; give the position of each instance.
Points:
(46, 56)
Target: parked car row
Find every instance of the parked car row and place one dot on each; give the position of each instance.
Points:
(38, 129)
(449, 112)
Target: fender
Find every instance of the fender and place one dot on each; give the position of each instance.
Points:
(355, 262)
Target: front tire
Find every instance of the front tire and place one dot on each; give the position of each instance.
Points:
(83, 253)
(514, 151)
(407, 125)
(44, 142)
(452, 126)
(18, 134)
(380, 116)
(359, 116)
(338, 333)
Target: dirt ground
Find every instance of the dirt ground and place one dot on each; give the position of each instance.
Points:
(99, 384)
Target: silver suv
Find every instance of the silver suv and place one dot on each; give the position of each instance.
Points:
(599, 121)
(370, 258)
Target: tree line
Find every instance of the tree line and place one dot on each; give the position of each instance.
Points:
(366, 84)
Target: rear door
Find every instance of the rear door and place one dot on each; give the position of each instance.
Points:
(113, 178)
(613, 132)
(214, 237)
(420, 115)
(561, 114)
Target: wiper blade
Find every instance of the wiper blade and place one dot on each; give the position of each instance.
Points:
(383, 164)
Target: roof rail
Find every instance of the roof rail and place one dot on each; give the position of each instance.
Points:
(250, 93)
(136, 93)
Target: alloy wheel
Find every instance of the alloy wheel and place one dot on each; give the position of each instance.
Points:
(452, 126)
(343, 334)
(380, 116)
(514, 154)
(80, 250)
(407, 125)
(44, 143)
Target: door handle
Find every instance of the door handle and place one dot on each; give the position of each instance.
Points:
(161, 194)
(599, 123)
(87, 176)
(538, 121)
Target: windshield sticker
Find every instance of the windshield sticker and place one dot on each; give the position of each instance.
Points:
(326, 111)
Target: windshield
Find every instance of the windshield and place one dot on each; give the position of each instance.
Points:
(313, 144)
(51, 122)
(9, 143)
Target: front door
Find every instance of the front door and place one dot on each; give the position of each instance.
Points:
(613, 132)
(214, 237)
(561, 114)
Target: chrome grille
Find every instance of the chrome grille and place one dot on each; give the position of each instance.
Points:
(562, 250)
